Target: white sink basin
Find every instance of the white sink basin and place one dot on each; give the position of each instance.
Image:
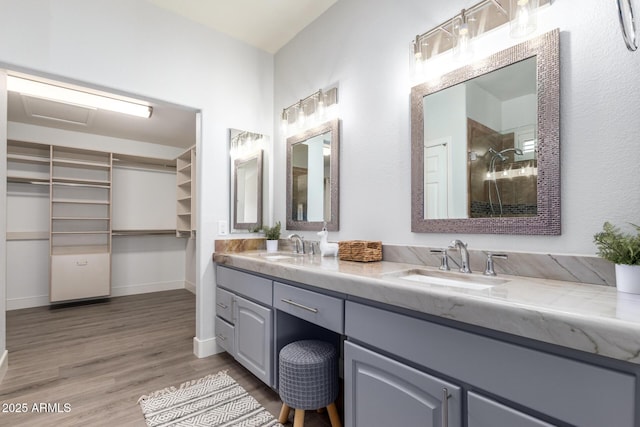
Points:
(441, 278)
(279, 256)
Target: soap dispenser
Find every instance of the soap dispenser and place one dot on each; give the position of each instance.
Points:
(326, 248)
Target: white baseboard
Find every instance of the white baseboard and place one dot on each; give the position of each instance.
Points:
(206, 348)
(144, 288)
(4, 364)
(27, 302)
(191, 287)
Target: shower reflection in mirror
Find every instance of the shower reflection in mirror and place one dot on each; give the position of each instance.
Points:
(246, 178)
(480, 146)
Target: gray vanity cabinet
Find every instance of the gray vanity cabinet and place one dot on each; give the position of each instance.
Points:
(244, 320)
(380, 391)
(564, 389)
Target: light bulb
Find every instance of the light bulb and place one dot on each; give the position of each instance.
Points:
(523, 19)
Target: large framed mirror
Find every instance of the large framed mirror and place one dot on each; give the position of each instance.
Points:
(485, 145)
(246, 178)
(313, 178)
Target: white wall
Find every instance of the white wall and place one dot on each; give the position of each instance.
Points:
(364, 47)
(135, 47)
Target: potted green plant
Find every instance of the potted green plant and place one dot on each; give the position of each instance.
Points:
(272, 234)
(622, 249)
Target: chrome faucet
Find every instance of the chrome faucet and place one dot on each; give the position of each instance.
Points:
(444, 261)
(464, 254)
(298, 242)
(489, 271)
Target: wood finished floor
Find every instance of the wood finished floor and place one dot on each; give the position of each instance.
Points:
(100, 358)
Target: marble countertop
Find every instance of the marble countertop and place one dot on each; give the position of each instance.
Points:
(591, 318)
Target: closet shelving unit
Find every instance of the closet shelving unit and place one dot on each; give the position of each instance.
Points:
(80, 239)
(28, 164)
(186, 193)
(78, 187)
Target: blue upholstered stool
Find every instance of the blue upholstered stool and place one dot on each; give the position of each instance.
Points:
(308, 379)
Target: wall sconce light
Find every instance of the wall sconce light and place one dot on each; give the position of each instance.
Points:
(457, 33)
(65, 95)
(311, 111)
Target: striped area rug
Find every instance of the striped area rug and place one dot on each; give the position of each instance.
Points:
(215, 400)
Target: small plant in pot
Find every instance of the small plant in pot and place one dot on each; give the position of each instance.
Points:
(272, 234)
(622, 249)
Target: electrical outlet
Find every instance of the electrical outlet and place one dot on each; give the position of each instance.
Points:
(223, 228)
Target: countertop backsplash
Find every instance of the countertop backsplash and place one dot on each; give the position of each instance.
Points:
(570, 268)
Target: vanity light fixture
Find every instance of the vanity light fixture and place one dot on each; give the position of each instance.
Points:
(244, 144)
(65, 95)
(457, 33)
(311, 111)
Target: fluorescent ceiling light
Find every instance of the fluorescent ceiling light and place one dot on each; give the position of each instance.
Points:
(76, 97)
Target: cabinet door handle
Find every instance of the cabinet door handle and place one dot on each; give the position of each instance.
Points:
(82, 263)
(233, 313)
(302, 306)
(222, 337)
(222, 306)
(445, 407)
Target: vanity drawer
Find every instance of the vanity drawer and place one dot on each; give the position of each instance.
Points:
(317, 308)
(225, 336)
(224, 303)
(254, 287)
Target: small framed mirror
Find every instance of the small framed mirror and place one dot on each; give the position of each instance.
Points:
(312, 178)
(485, 145)
(246, 152)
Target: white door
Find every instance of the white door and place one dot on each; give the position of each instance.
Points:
(436, 182)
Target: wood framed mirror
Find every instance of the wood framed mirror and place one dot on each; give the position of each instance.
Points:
(485, 143)
(313, 178)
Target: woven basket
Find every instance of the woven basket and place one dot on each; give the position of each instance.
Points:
(360, 250)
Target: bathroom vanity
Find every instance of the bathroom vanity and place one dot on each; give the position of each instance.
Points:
(517, 351)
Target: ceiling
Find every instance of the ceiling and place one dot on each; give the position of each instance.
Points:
(265, 24)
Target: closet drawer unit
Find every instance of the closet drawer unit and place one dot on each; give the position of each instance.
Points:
(80, 276)
(314, 307)
(254, 287)
(224, 303)
(225, 336)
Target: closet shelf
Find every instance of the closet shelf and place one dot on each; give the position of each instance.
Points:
(27, 235)
(80, 163)
(80, 250)
(79, 232)
(142, 232)
(80, 218)
(82, 181)
(185, 168)
(184, 183)
(81, 201)
(28, 180)
(27, 159)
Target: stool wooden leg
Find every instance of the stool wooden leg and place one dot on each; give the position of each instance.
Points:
(298, 418)
(333, 415)
(284, 414)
